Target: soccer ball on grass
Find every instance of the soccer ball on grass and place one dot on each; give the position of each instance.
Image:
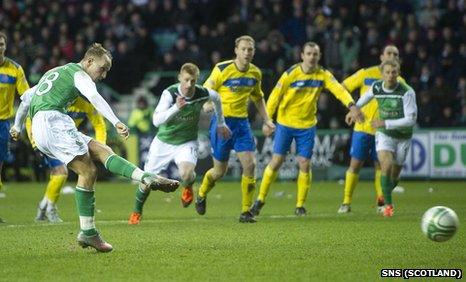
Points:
(439, 223)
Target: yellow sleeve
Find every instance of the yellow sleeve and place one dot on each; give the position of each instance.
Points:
(21, 82)
(98, 123)
(354, 81)
(213, 82)
(29, 132)
(277, 93)
(257, 93)
(337, 89)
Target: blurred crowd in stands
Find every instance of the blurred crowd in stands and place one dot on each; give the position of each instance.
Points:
(160, 35)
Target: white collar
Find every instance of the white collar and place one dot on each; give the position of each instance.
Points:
(388, 90)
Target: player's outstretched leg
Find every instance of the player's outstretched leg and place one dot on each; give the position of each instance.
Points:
(122, 167)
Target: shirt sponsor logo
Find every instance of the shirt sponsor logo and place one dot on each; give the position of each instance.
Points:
(307, 83)
(8, 79)
(369, 81)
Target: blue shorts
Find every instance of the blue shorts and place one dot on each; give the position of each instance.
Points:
(4, 139)
(363, 146)
(241, 139)
(51, 162)
(305, 139)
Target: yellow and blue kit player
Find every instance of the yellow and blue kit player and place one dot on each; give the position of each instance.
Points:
(12, 81)
(294, 100)
(81, 111)
(363, 137)
(236, 81)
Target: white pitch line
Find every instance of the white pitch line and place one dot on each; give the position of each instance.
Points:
(174, 220)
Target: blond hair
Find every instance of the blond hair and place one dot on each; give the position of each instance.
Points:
(244, 38)
(190, 68)
(310, 44)
(393, 62)
(96, 50)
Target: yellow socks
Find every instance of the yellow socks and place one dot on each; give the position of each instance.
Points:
(377, 185)
(267, 179)
(52, 192)
(304, 184)
(351, 181)
(207, 184)
(248, 185)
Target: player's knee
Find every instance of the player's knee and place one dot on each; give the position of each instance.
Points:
(91, 171)
(354, 169)
(276, 162)
(99, 151)
(219, 172)
(59, 170)
(187, 175)
(304, 165)
(249, 167)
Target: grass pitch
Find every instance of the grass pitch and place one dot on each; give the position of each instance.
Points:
(173, 243)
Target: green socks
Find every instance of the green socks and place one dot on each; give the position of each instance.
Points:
(85, 203)
(141, 197)
(387, 187)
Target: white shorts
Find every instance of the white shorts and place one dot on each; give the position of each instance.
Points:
(56, 136)
(399, 147)
(161, 154)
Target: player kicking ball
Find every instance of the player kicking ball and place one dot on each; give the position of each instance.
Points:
(56, 135)
(177, 117)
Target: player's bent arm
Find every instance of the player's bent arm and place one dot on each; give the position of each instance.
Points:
(410, 112)
(277, 93)
(23, 108)
(261, 108)
(268, 126)
(338, 90)
(366, 98)
(87, 88)
(354, 81)
(165, 109)
(215, 98)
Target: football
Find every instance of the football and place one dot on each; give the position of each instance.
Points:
(439, 223)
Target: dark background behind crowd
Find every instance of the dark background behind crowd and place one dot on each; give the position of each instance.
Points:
(160, 35)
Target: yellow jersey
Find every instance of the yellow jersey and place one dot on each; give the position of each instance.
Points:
(235, 87)
(294, 97)
(12, 80)
(363, 79)
(79, 111)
